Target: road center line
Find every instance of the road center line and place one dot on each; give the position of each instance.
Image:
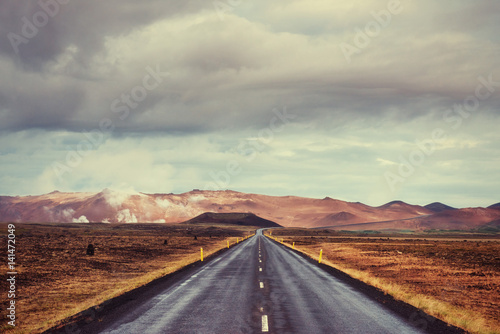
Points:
(262, 285)
(265, 324)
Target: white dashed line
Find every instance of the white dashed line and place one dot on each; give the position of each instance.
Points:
(262, 285)
(260, 269)
(265, 324)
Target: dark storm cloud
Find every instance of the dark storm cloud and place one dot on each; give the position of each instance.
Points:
(85, 24)
(33, 104)
(231, 73)
(13, 16)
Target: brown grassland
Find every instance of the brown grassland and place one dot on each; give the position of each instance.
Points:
(452, 279)
(56, 279)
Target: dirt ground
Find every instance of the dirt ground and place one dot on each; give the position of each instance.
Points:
(57, 279)
(463, 275)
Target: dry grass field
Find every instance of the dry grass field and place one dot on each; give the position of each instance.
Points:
(455, 280)
(56, 278)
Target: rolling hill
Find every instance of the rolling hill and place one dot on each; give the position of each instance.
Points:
(236, 218)
(495, 206)
(438, 207)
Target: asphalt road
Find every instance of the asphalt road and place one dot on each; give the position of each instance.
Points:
(258, 286)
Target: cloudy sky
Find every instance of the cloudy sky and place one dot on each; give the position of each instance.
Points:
(365, 101)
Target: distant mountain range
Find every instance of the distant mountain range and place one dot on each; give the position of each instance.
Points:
(290, 211)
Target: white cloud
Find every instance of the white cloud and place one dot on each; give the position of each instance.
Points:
(163, 203)
(117, 198)
(82, 219)
(64, 216)
(124, 216)
(385, 162)
(196, 198)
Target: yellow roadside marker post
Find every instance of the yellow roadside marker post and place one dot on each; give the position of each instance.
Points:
(228, 244)
(237, 240)
(293, 245)
(201, 254)
(320, 254)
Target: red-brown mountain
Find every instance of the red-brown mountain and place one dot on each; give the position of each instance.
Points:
(454, 219)
(292, 211)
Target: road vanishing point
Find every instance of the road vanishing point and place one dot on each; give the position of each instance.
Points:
(258, 286)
